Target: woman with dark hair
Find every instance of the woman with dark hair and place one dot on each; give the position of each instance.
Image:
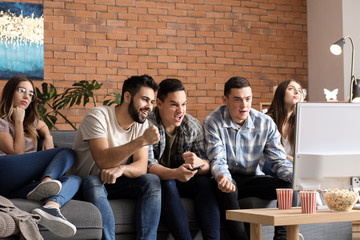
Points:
(25, 173)
(282, 110)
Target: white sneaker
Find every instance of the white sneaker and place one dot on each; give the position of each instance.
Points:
(301, 237)
(52, 219)
(45, 189)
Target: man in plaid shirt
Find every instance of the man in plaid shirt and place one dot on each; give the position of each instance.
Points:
(237, 137)
(174, 159)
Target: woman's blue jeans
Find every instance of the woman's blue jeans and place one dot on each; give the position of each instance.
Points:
(145, 189)
(19, 174)
(173, 215)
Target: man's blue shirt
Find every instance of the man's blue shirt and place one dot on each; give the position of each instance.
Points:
(232, 148)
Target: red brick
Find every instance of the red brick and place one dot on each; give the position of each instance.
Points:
(137, 37)
(186, 59)
(94, 49)
(166, 45)
(186, 73)
(177, 65)
(85, 70)
(138, 51)
(63, 26)
(58, 47)
(107, 15)
(106, 43)
(71, 62)
(64, 55)
(74, 48)
(75, 6)
(147, 59)
(110, 71)
(54, 4)
(96, 7)
(166, 59)
(63, 12)
(50, 19)
(85, 56)
(94, 63)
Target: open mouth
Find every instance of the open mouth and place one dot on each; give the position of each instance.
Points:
(178, 118)
(144, 112)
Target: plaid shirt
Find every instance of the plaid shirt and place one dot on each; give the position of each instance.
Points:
(232, 148)
(190, 137)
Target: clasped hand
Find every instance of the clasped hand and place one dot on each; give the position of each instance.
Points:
(225, 184)
(184, 174)
(18, 114)
(109, 175)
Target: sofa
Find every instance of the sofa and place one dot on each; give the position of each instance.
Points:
(86, 217)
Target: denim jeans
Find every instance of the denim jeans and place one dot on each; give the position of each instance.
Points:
(249, 186)
(173, 214)
(24, 172)
(93, 190)
(145, 189)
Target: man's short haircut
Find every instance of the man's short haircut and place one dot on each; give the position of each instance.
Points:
(134, 83)
(235, 82)
(167, 86)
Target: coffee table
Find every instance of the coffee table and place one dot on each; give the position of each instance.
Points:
(291, 218)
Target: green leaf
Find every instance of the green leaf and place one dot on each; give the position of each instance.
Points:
(116, 99)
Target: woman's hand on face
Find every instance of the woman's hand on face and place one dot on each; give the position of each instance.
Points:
(18, 114)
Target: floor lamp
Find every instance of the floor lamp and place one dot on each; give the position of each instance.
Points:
(336, 49)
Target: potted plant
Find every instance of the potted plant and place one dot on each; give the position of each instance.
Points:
(50, 102)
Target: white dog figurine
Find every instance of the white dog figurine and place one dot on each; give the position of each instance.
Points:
(331, 95)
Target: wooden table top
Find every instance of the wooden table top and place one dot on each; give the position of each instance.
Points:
(276, 217)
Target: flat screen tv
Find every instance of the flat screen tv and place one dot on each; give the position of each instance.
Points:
(327, 145)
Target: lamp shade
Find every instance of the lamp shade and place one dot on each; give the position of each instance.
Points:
(336, 48)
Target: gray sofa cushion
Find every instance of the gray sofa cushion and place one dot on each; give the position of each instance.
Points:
(63, 138)
(85, 216)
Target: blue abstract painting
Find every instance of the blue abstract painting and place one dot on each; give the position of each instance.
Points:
(21, 40)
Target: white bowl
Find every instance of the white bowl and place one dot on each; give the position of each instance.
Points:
(340, 199)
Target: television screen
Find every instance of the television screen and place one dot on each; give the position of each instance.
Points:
(327, 145)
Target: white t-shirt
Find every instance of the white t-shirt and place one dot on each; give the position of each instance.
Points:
(288, 149)
(101, 122)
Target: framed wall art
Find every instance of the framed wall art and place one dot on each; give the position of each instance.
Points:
(21, 40)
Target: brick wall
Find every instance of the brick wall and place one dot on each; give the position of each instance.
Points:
(201, 42)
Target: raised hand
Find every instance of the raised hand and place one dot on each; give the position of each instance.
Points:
(151, 135)
(192, 159)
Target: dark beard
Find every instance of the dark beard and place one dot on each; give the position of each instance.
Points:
(135, 114)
